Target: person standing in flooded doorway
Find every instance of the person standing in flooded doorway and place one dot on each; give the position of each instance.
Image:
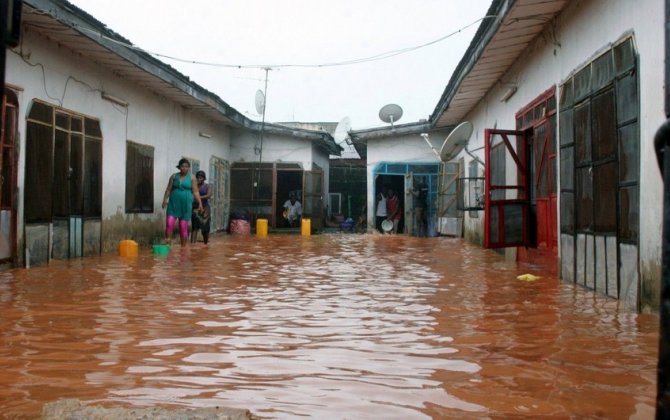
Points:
(420, 193)
(393, 209)
(381, 212)
(181, 190)
(201, 220)
(293, 210)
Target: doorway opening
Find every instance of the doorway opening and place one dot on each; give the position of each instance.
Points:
(289, 182)
(538, 119)
(384, 183)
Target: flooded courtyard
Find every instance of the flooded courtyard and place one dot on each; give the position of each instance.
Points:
(328, 326)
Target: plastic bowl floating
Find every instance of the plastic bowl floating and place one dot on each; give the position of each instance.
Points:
(387, 225)
(528, 277)
(161, 249)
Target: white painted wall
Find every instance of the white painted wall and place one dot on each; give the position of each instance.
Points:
(322, 159)
(276, 148)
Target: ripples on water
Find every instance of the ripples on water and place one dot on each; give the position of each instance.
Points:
(329, 326)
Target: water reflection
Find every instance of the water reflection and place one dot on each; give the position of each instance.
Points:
(341, 326)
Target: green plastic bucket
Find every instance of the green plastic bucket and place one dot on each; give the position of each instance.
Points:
(161, 249)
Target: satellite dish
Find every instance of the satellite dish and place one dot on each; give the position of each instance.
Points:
(390, 113)
(341, 132)
(260, 102)
(456, 141)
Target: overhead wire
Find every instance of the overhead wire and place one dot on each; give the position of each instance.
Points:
(376, 57)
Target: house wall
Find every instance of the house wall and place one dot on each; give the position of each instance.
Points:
(349, 178)
(408, 148)
(584, 29)
(276, 148)
(322, 159)
(282, 149)
(62, 78)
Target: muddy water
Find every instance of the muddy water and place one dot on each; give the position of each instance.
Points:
(331, 326)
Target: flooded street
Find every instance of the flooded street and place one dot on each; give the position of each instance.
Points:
(328, 326)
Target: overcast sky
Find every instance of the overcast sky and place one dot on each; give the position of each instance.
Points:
(296, 32)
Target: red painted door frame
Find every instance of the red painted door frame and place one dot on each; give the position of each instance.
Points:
(498, 205)
(538, 116)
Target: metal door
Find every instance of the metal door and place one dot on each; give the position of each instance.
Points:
(218, 177)
(312, 200)
(506, 198)
(448, 216)
(409, 203)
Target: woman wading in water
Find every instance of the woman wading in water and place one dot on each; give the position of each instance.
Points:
(181, 191)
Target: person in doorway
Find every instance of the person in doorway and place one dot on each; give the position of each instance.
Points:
(181, 190)
(393, 209)
(381, 212)
(420, 193)
(200, 220)
(293, 210)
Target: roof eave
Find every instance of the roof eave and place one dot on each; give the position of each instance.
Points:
(484, 33)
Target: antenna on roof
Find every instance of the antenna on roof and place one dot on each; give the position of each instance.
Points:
(260, 108)
(390, 113)
(341, 133)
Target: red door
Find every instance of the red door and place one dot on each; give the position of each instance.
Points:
(506, 189)
(544, 185)
(538, 119)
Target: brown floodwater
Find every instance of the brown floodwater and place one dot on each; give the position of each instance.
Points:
(328, 326)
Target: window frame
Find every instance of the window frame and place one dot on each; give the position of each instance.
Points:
(140, 159)
(39, 203)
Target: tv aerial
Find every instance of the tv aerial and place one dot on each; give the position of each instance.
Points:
(390, 113)
(341, 133)
(456, 141)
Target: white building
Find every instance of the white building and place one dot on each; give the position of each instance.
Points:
(565, 98)
(93, 128)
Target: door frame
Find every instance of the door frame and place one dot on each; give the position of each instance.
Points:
(521, 186)
(11, 150)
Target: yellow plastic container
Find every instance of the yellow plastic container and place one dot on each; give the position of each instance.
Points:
(128, 248)
(262, 227)
(306, 227)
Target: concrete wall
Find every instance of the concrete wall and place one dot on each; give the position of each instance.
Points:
(61, 78)
(279, 148)
(405, 148)
(321, 158)
(276, 148)
(586, 28)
